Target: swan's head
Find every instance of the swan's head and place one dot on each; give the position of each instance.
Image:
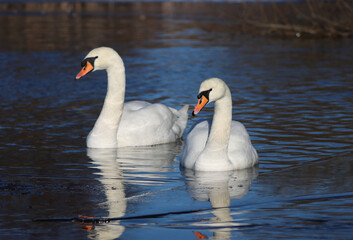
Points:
(100, 59)
(210, 90)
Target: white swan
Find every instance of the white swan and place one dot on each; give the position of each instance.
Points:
(226, 144)
(135, 123)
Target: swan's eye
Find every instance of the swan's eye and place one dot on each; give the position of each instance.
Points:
(90, 60)
(204, 93)
(83, 63)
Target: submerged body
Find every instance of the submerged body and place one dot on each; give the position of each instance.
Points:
(220, 144)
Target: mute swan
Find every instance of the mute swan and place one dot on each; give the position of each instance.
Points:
(135, 123)
(226, 144)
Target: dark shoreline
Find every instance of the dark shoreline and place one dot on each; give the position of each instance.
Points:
(305, 19)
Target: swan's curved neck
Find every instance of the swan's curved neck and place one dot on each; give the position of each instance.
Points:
(104, 132)
(116, 86)
(221, 123)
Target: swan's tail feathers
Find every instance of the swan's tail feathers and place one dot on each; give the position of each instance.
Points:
(182, 120)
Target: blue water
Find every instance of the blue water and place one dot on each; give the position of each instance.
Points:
(293, 95)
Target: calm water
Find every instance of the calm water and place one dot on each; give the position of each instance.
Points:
(294, 96)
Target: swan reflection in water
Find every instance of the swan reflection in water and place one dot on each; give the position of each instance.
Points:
(111, 178)
(219, 188)
(135, 165)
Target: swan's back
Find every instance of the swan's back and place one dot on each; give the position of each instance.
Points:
(143, 123)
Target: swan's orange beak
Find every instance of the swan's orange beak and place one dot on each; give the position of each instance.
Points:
(200, 104)
(86, 69)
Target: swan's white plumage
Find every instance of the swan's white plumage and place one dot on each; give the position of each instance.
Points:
(227, 146)
(143, 123)
(135, 123)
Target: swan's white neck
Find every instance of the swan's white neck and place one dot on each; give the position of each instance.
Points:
(221, 123)
(104, 132)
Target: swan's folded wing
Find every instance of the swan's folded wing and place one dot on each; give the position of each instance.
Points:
(145, 124)
(240, 150)
(180, 120)
(194, 143)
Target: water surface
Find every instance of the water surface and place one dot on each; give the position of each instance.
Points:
(294, 96)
